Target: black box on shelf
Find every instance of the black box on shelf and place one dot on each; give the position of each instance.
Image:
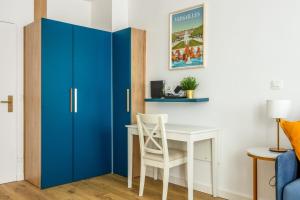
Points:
(157, 89)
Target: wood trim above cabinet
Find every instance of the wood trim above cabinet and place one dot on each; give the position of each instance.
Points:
(40, 9)
(138, 78)
(138, 72)
(32, 103)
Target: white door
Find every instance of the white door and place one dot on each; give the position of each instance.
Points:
(8, 86)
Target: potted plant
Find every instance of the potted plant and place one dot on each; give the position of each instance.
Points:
(189, 84)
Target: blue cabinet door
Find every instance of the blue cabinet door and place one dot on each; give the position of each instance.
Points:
(121, 82)
(92, 122)
(57, 136)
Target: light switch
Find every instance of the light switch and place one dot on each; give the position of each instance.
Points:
(277, 84)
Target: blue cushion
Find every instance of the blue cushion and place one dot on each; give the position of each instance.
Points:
(287, 167)
(292, 190)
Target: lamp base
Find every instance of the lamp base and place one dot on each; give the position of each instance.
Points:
(278, 150)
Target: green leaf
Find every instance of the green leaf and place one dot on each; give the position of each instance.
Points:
(189, 83)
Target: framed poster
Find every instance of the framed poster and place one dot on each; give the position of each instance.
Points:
(187, 38)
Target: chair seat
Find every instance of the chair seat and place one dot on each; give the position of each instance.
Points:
(292, 191)
(174, 154)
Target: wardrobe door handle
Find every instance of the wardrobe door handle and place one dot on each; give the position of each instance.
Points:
(71, 100)
(128, 100)
(75, 100)
(10, 103)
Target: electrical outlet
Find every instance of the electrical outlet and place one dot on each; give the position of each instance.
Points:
(277, 84)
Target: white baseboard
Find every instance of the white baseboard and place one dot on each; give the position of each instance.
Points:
(207, 189)
(202, 187)
(20, 171)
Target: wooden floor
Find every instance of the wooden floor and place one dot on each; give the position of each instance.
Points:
(104, 187)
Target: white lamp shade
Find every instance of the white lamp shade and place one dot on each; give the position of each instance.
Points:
(278, 108)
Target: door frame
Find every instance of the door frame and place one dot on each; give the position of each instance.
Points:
(18, 99)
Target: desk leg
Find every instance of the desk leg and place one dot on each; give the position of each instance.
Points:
(214, 151)
(190, 169)
(254, 178)
(155, 173)
(130, 143)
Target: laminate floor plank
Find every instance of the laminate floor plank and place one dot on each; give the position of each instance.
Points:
(108, 187)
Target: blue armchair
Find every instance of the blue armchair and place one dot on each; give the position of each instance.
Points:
(287, 177)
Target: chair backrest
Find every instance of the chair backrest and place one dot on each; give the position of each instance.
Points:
(152, 134)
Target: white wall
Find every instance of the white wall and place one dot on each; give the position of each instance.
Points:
(21, 12)
(119, 14)
(71, 11)
(249, 43)
(109, 15)
(102, 14)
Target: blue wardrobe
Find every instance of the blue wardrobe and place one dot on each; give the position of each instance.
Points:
(129, 60)
(68, 103)
(81, 86)
(122, 86)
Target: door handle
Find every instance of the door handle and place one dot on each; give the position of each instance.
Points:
(75, 100)
(127, 100)
(71, 100)
(10, 103)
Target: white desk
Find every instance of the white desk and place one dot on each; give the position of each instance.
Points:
(189, 134)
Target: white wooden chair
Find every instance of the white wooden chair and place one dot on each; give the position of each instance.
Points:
(154, 149)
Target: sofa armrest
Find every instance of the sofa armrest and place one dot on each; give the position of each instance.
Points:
(286, 169)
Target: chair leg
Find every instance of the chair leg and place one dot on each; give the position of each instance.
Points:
(186, 175)
(142, 179)
(155, 173)
(165, 183)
